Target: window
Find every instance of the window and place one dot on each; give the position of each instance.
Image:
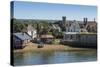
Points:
(78, 36)
(71, 36)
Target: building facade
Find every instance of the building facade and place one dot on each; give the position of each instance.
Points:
(31, 31)
(20, 40)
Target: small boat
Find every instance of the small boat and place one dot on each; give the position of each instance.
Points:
(40, 44)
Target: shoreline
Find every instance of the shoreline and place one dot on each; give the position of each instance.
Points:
(50, 47)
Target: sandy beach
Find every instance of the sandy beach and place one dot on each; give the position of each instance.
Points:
(49, 47)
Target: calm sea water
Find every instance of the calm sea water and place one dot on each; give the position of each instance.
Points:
(33, 58)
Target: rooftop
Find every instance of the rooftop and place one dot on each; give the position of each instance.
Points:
(22, 36)
(79, 33)
(47, 36)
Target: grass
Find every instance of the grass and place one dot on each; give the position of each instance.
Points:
(56, 41)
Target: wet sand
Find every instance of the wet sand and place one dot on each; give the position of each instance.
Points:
(49, 47)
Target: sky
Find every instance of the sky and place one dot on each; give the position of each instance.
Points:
(35, 10)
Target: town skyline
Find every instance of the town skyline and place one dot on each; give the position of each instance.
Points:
(34, 10)
(48, 33)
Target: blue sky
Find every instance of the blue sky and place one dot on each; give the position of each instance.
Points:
(34, 10)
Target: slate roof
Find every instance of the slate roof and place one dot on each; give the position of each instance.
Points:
(22, 36)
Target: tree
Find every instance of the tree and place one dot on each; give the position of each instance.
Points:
(18, 26)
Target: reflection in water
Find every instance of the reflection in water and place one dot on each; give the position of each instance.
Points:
(29, 58)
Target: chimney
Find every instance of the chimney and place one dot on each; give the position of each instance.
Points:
(94, 19)
(85, 20)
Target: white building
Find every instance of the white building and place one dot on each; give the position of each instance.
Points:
(72, 30)
(73, 27)
(31, 31)
(77, 36)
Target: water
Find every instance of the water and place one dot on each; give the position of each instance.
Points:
(33, 58)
